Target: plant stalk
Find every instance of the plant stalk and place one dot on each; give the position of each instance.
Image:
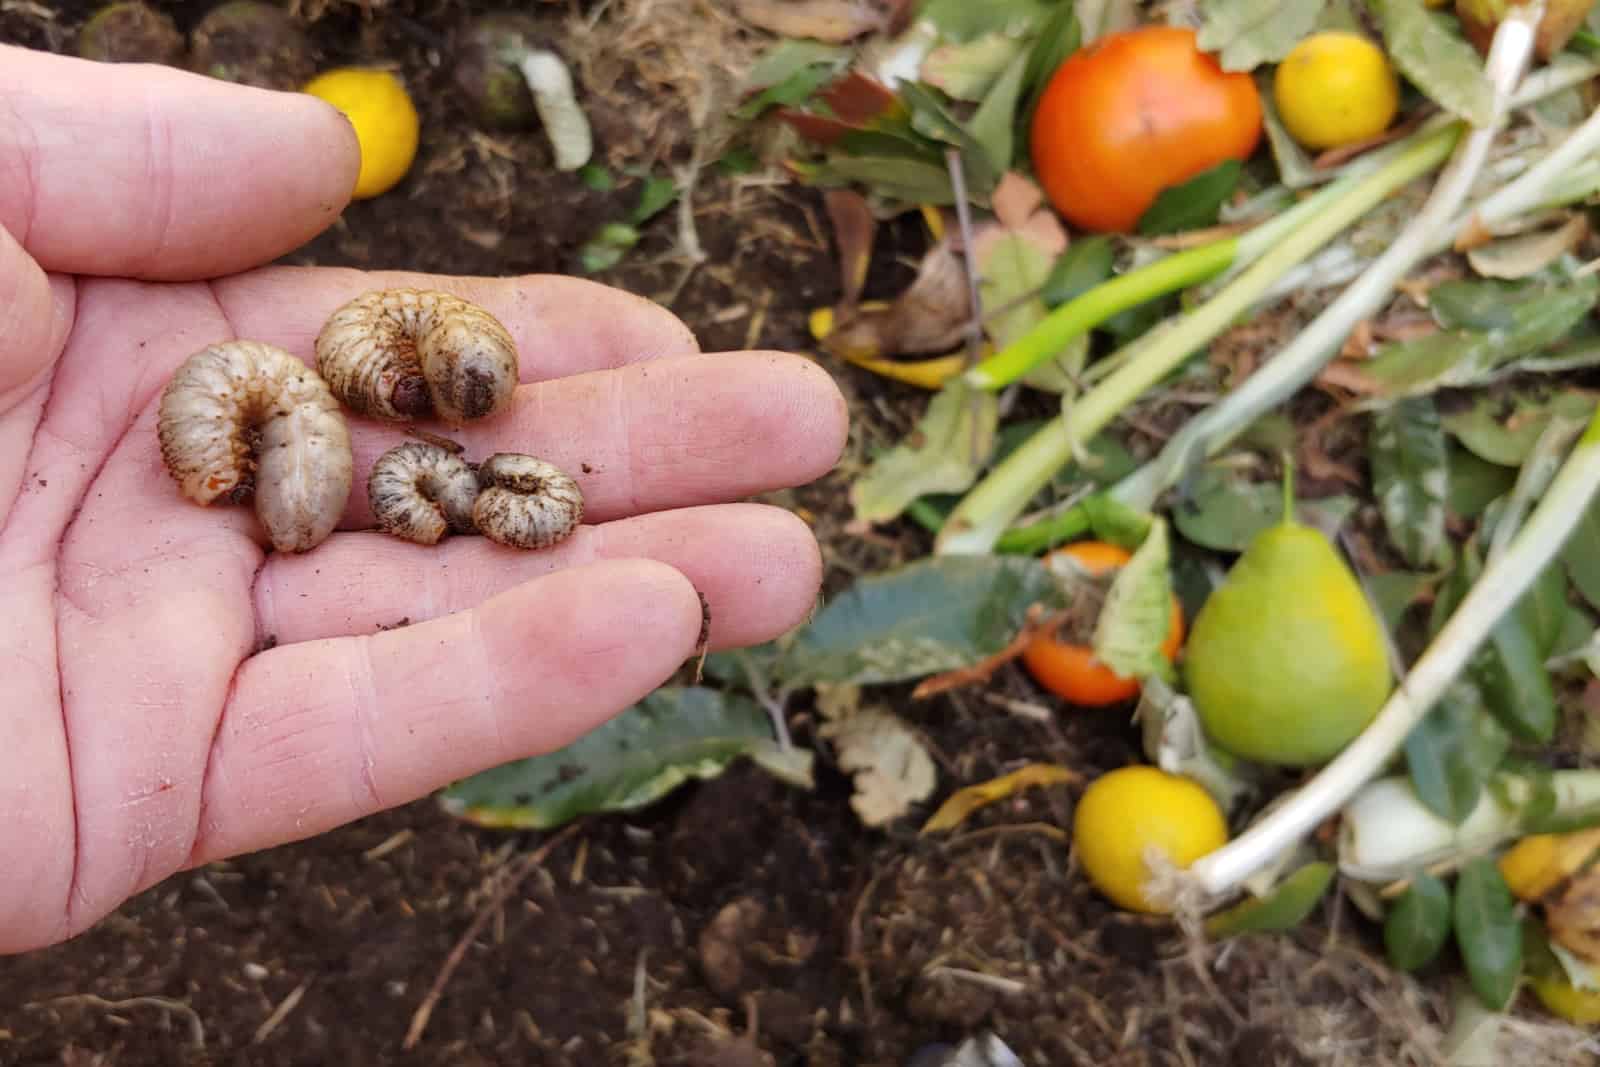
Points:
(979, 519)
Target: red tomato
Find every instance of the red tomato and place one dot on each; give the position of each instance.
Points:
(1134, 113)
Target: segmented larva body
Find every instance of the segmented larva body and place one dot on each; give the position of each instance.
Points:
(526, 502)
(420, 491)
(403, 354)
(243, 419)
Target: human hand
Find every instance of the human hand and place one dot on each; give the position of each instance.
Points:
(172, 692)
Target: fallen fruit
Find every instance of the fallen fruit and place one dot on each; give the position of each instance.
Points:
(385, 121)
(1539, 863)
(1560, 998)
(1335, 88)
(1069, 668)
(1132, 114)
(1286, 661)
(1128, 814)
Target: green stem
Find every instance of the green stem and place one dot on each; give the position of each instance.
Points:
(1088, 310)
(983, 514)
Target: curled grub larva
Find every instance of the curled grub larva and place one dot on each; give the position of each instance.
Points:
(526, 502)
(402, 354)
(242, 419)
(421, 492)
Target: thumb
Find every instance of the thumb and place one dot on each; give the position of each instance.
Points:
(34, 321)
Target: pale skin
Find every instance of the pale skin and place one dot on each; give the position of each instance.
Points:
(172, 692)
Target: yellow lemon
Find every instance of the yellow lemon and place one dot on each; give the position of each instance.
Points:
(1335, 88)
(1129, 812)
(386, 123)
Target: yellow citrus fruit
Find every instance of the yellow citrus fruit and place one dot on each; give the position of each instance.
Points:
(1540, 862)
(385, 120)
(1335, 88)
(1131, 810)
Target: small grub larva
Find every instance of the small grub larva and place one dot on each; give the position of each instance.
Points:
(401, 354)
(526, 502)
(243, 419)
(420, 492)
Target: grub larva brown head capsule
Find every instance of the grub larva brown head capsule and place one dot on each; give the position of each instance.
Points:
(403, 354)
(526, 502)
(242, 419)
(420, 492)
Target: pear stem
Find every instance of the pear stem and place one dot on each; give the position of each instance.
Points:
(1288, 487)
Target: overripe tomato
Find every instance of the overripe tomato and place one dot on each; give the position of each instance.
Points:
(1070, 670)
(1134, 113)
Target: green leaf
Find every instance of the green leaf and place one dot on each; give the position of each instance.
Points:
(1193, 204)
(1432, 54)
(1488, 933)
(1394, 592)
(1418, 925)
(1085, 264)
(1283, 909)
(672, 736)
(1453, 751)
(909, 181)
(1222, 509)
(1503, 429)
(1411, 477)
(962, 20)
(932, 119)
(992, 126)
(1137, 612)
(1248, 33)
(796, 87)
(1516, 687)
(969, 70)
(654, 197)
(944, 453)
(790, 56)
(607, 247)
(1581, 555)
(933, 615)
(1475, 482)
(1013, 268)
(1517, 307)
(1058, 37)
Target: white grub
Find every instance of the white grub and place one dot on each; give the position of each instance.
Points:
(526, 502)
(244, 418)
(401, 354)
(420, 492)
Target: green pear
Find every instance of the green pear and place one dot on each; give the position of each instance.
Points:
(1287, 662)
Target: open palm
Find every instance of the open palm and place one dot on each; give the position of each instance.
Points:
(173, 692)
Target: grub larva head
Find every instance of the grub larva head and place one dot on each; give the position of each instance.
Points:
(244, 420)
(403, 354)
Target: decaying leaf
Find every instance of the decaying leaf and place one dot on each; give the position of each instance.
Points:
(944, 453)
(1436, 59)
(1411, 478)
(834, 21)
(1133, 623)
(892, 770)
(931, 316)
(963, 802)
(853, 231)
(1526, 254)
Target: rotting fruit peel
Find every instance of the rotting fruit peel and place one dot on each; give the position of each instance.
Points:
(1068, 668)
(1126, 814)
(1132, 114)
(1286, 661)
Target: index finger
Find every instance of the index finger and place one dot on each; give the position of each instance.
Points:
(155, 173)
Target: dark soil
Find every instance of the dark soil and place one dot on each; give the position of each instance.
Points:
(666, 936)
